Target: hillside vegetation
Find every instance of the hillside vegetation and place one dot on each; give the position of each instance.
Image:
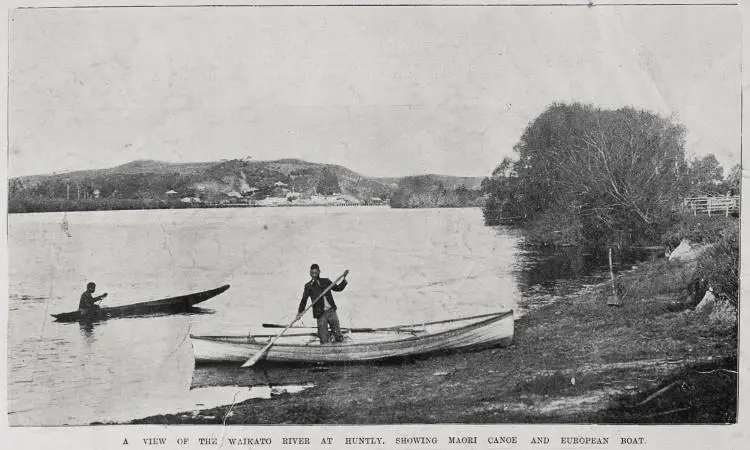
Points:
(156, 184)
(430, 191)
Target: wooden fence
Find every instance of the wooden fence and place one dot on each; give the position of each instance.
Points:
(712, 205)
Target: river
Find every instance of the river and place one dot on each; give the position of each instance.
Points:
(405, 266)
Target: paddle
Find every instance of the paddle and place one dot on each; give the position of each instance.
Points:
(403, 329)
(252, 361)
(95, 300)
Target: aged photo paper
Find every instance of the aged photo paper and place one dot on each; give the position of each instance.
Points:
(387, 225)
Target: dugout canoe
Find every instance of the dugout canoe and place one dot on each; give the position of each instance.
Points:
(483, 331)
(177, 304)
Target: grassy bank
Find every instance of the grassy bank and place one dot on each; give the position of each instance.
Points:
(575, 360)
(718, 264)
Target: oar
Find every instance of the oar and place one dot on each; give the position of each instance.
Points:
(403, 329)
(252, 361)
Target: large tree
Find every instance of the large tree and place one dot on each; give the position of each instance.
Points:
(615, 169)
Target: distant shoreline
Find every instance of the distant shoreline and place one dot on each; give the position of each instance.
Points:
(35, 209)
(232, 184)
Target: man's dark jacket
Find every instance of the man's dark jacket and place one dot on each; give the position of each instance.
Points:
(313, 290)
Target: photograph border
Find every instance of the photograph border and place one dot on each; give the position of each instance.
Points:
(107, 436)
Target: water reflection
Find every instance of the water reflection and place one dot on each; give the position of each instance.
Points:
(563, 270)
(87, 326)
(90, 322)
(232, 375)
(272, 375)
(87, 329)
(548, 269)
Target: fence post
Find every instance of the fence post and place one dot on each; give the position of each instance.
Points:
(708, 206)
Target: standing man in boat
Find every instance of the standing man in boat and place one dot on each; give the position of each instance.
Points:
(87, 305)
(324, 310)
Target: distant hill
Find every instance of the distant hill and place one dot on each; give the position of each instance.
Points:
(156, 167)
(436, 191)
(449, 181)
(151, 182)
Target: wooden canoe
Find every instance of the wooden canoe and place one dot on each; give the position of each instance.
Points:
(178, 304)
(487, 330)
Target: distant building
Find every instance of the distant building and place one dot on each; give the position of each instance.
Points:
(171, 192)
(234, 194)
(346, 199)
(280, 184)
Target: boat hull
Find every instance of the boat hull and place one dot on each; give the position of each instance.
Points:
(178, 304)
(497, 330)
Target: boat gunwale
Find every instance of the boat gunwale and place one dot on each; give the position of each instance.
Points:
(494, 318)
(166, 301)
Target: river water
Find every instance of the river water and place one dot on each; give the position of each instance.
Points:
(405, 266)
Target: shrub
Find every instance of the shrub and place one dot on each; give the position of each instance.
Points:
(698, 229)
(719, 265)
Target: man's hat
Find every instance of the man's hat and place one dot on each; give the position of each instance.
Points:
(314, 266)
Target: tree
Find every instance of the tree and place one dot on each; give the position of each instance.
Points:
(501, 189)
(734, 179)
(328, 183)
(615, 169)
(427, 191)
(706, 176)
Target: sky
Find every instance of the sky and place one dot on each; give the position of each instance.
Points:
(383, 91)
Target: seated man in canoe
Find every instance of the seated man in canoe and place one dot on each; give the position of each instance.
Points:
(87, 305)
(324, 310)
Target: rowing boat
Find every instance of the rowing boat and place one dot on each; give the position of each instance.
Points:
(486, 330)
(177, 304)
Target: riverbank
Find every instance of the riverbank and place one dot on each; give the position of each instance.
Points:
(575, 360)
(26, 207)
